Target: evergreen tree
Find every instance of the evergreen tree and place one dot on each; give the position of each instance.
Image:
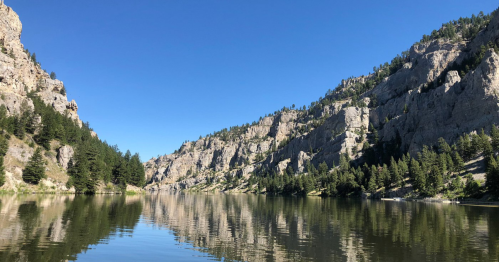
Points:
(3, 150)
(494, 133)
(137, 177)
(323, 168)
(308, 184)
(95, 166)
(121, 174)
(456, 184)
(418, 176)
(372, 186)
(4, 146)
(78, 170)
(492, 176)
(35, 169)
(458, 163)
(395, 174)
(443, 147)
(344, 165)
(472, 187)
(385, 176)
(442, 166)
(450, 163)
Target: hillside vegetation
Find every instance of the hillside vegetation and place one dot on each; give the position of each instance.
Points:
(44, 146)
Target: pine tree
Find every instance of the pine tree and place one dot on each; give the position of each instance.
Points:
(434, 181)
(486, 144)
(121, 174)
(344, 165)
(472, 187)
(385, 176)
(395, 176)
(323, 168)
(137, 177)
(418, 176)
(35, 169)
(450, 163)
(78, 170)
(443, 147)
(458, 163)
(494, 133)
(492, 176)
(95, 166)
(456, 184)
(4, 146)
(372, 186)
(442, 166)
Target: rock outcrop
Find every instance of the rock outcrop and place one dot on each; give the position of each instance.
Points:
(425, 99)
(20, 74)
(64, 154)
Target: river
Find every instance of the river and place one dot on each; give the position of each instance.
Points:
(241, 227)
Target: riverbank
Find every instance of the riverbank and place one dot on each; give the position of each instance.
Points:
(51, 186)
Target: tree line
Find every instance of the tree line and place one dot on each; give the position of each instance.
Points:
(93, 160)
(438, 169)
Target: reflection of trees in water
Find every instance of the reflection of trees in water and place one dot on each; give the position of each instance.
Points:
(56, 228)
(249, 227)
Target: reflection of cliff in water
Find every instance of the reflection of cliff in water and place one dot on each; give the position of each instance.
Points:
(58, 227)
(256, 228)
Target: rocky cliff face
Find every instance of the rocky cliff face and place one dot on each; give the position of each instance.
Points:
(20, 75)
(425, 99)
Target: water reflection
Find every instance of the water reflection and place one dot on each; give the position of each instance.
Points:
(242, 228)
(259, 228)
(57, 228)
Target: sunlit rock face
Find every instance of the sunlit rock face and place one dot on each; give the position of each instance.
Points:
(19, 74)
(423, 101)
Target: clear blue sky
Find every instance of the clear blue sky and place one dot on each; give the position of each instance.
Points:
(150, 74)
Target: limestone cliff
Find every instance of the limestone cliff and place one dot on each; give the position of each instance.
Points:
(425, 98)
(35, 113)
(20, 74)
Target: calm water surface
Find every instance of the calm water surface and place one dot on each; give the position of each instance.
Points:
(201, 227)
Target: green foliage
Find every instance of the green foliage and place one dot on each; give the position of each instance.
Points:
(259, 157)
(472, 188)
(94, 160)
(2, 47)
(33, 59)
(35, 169)
(53, 76)
(492, 177)
(430, 173)
(4, 145)
(467, 27)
